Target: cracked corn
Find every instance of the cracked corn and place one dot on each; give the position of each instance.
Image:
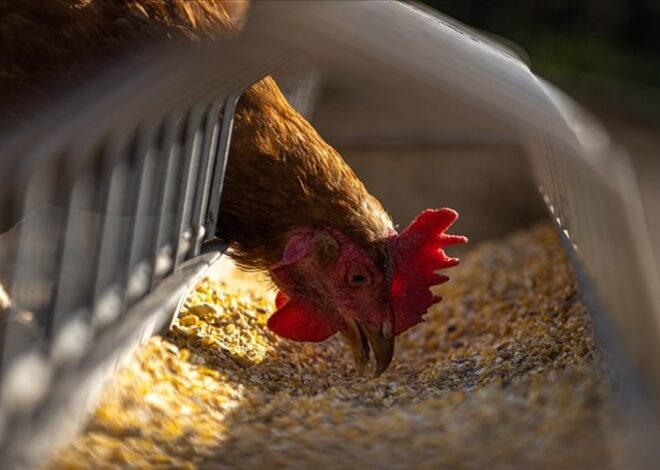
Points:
(505, 369)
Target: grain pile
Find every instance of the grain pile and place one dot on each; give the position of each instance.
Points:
(505, 372)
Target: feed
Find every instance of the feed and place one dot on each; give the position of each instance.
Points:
(505, 369)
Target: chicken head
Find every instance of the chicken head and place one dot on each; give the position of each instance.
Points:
(329, 284)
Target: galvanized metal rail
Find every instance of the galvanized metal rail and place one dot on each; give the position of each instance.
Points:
(106, 202)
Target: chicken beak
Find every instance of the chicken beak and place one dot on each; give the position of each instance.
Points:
(382, 345)
(361, 338)
(358, 343)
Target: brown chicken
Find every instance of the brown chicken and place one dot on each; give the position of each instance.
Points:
(290, 204)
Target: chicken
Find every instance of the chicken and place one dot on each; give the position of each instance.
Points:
(336, 258)
(290, 205)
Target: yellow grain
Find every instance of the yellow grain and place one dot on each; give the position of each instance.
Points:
(505, 371)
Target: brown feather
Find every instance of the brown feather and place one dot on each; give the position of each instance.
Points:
(281, 175)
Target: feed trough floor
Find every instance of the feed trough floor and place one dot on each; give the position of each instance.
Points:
(505, 372)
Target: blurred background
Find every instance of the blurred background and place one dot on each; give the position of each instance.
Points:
(607, 43)
(604, 53)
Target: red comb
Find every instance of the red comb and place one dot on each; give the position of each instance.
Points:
(418, 254)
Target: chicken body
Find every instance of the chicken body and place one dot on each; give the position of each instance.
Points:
(281, 176)
(290, 204)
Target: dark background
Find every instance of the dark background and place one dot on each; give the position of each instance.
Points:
(604, 53)
(567, 39)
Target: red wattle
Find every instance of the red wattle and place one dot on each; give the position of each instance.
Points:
(299, 320)
(280, 299)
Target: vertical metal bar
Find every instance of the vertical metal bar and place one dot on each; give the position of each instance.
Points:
(190, 165)
(550, 154)
(31, 253)
(113, 275)
(107, 292)
(73, 288)
(209, 148)
(42, 244)
(220, 166)
(20, 193)
(137, 274)
(164, 241)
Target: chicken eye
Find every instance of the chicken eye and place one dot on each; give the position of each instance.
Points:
(359, 279)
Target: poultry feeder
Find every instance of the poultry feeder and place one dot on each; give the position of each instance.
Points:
(109, 196)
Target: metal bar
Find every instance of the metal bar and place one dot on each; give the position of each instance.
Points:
(190, 166)
(73, 288)
(107, 293)
(164, 241)
(220, 165)
(137, 274)
(44, 245)
(209, 149)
